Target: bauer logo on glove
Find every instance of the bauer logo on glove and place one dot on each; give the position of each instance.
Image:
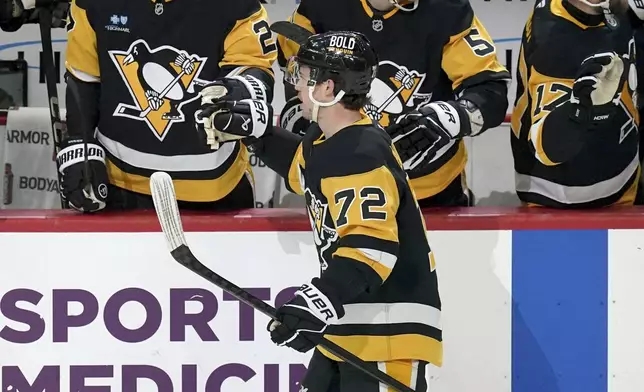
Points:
(223, 120)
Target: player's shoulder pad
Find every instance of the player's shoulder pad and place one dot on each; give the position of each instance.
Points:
(452, 16)
(542, 20)
(316, 10)
(545, 51)
(358, 150)
(242, 9)
(83, 4)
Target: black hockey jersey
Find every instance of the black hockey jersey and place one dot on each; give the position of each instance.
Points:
(363, 210)
(152, 58)
(430, 54)
(554, 167)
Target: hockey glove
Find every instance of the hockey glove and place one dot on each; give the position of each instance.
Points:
(420, 135)
(236, 88)
(597, 90)
(291, 117)
(227, 121)
(302, 321)
(81, 195)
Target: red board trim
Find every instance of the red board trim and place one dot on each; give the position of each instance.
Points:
(277, 219)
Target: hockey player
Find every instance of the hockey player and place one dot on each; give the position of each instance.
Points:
(367, 226)
(575, 139)
(439, 80)
(134, 69)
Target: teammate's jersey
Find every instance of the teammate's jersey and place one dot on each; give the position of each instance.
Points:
(151, 59)
(363, 210)
(426, 55)
(556, 39)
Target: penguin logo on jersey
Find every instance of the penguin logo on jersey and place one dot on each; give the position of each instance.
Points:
(395, 91)
(324, 233)
(160, 81)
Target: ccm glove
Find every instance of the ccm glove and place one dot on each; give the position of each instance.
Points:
(420, 135)
(598, 87)
(302, 321)
(82, 195)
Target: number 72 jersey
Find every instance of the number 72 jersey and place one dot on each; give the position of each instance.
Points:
(363, 214)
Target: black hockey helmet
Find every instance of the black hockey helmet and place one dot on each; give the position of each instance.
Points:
(345, 56)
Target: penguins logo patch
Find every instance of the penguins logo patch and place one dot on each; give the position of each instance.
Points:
(160, 82)
(324, 233)
(395, 91)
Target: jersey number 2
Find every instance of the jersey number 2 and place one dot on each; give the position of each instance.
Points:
(370, 197)
(263, 31)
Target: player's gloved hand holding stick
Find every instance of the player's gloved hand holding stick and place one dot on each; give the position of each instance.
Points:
(303, 315)
(301, 322)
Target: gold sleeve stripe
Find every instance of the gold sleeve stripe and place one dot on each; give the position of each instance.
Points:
(81, 53)
(432, 261)
(383, 268)
(294, 171)
(536, 133)
(522, 102)
(290, 48)
(250, 43)
(364, 203)
(470, 53)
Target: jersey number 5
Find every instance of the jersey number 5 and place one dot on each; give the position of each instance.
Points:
(263, 31)
(370, 197)
(479, 45)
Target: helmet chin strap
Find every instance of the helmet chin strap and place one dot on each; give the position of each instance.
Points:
(604, 4)
(396, 3)
(317, 104)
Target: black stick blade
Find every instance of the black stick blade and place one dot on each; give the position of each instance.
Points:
(292, 31)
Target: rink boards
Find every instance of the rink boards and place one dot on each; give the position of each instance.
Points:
(85, 302)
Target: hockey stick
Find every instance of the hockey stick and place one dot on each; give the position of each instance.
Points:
(292, 31)
(57, 127)
(165, 204)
